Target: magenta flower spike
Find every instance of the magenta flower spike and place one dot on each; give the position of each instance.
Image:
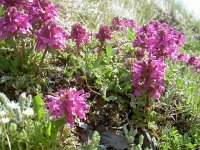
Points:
(105, 32)
(67, 104)
(50, 35)
(14, 23)
(159, 40)
(41, 11)
(148, 77)
(194, 60)
(79, 34)
(118, 24)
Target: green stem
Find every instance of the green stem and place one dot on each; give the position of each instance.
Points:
(41, 62)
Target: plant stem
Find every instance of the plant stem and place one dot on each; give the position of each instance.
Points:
(148, 101)
(100, 49)
(41, 62)
(77, 49)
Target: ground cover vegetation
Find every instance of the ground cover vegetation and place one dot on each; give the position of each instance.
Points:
(76, 75)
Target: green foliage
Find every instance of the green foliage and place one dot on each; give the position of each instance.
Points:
(21, 128)
(171, 139)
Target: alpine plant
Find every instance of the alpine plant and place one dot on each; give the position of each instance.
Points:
(68, 104)
(50, 35)
(148, 77)
(79, 34)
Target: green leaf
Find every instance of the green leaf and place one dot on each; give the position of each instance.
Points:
(48, 129)
(38, 107)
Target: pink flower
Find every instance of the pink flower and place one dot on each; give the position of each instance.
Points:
(79, 34)
(68, 104)
(118, 24)
(194, 60)
(148, 77)
(14, 23)
(159, 39)
(41, 11)
(130, 23)
(105, 32)
(50, 35)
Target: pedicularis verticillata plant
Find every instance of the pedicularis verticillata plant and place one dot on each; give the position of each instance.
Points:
(50, 36)
(67, 104)
(148, 77)
(154, 43)
(79, 34)
(105, 33)
(36, 17)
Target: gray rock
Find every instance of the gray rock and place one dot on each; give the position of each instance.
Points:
(114, 139)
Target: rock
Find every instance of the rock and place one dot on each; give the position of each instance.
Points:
(114, 139)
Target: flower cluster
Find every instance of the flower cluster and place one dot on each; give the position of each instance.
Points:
(194, 60)
(105, 32)
(50, 35)
(79, 34)
(118, 24)
(148, 76)
(159, 39)
(121, 24)
(14, 22)
(190, 60)
(68, 104)
(41, 11)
